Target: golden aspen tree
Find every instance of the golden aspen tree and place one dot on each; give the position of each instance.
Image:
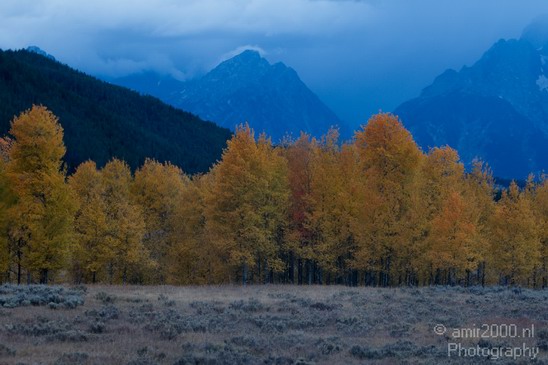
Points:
(352, 198)
(275, 202)
(90, 251)
(6, 200)
(300, 156)
(539, 195)
(158, 189)
(515, 238)
(453, 239)
(390, 159)
(41, 219)
(127, 256)
(328, 220)
(479, 193)
(5, 145)
(193, 259)
(246, 212)
(440, 182)
(541, 204)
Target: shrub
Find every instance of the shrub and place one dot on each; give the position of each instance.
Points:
(97, 327)
(6, 351)
(42, 327)
(364, 353)
(106, 313)
(74, 358)
(252, 305)
(69, 336)
(322, 306)
(105, 298)
(328, 346)
(246, 341)
(12, 296)
(207, 307)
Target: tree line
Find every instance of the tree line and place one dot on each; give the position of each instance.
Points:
(374, 211)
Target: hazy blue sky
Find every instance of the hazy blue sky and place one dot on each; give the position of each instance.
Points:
(358, 56)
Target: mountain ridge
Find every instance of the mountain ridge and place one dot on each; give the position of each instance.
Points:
(496, 109)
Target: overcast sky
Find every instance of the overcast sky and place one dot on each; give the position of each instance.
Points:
(358, 56)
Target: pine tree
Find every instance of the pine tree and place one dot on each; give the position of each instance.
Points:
(41, 219)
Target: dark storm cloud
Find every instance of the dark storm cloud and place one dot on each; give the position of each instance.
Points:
(359, 56)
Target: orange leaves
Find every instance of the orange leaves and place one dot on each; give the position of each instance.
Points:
(387, 147)
(453, 234)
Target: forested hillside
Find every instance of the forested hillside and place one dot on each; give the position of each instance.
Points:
(377, 211)
(102, 121)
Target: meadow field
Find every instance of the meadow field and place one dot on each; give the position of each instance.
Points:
(271, 324)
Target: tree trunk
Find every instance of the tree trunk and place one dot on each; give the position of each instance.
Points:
(44, 276)
(18, 272)
(291, 268)
(300, 271)
(244, 274)
(309, 273)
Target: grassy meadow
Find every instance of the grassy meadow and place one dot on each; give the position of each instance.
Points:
(270, 324)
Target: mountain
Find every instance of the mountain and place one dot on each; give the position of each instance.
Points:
(102, 121)
(246, 88)
(496, 110)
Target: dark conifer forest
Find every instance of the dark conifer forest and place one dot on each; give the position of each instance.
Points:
(102, 121)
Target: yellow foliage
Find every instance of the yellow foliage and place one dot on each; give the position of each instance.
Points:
(41, 221)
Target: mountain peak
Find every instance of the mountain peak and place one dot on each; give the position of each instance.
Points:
(536, 33)
(270, 97)
(249, 54)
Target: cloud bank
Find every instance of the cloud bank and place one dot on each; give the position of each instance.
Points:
(359, 56)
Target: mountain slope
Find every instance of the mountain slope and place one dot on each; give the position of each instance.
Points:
(496, 109)
(102, 121)
(271, 98)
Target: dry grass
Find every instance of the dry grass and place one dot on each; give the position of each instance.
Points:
(267, 325)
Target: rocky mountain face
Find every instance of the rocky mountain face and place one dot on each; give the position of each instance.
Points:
(496, 110)
(246, 88)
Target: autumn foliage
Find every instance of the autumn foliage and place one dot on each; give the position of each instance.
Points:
(373, 211)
